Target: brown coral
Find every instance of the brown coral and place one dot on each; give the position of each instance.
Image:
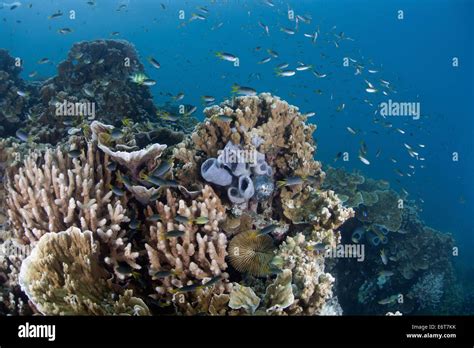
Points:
(62, 276)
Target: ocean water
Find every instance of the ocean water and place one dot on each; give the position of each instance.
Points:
(414, 54)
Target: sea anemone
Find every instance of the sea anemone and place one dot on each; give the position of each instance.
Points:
(250, 252)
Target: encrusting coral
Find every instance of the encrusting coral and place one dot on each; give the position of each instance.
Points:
(63, 276)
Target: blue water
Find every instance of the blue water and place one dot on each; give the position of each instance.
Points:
(414, 54)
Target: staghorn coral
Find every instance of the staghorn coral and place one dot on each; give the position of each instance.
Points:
(62, 276)
(198, 253)
(51, 192)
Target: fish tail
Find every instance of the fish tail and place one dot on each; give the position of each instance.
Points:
(281, 183)
(219, 54)
(234, 89)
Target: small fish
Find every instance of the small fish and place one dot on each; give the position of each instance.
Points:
(350, 130)
(303, 67)
(116, 133)
(174, 233)
(138, 78)
(43, 61)
(166, 116)
(32, 74)
(134, 224)
(124, 268)
(283, 66)
(23, 136)
(22, 94)
(55, 15)
(74, 153)
(309, 114)
(224, 118)
(341, 107)
(226, 56)
(201, 220)
(89, 92)
(287, 31)
(268, 229)
(212, 281)
(285, 73)
(178, 96)
(188, 288)
(195, 16)
(240, 90)
(269, 3)
(162, 168)
(73, 131)
(208, 98)
(264, 27)
(65, 31)
(371, 90)
(154, 218)
(160, 182)
(265, 60)
(149, 82)
(154, 62)
(273, 53)
(318, 75)
(389, 300)
(115, 33)
(203, 9)
(364, 160)
(162, 274)
(290, 181)
(117, 190)
(383, 256)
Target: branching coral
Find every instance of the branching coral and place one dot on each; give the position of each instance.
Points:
(187, 251)
(62, 276)
(52, 192)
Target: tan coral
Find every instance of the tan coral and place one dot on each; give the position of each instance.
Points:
(62, 276)
(196, 255)
(313, 286)
(51, 192)
(322, 209)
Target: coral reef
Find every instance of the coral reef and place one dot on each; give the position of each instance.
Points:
(184, 253)
(62, 276)
(15, 95)
(51, 192)
(428, 290)
(94, 75)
